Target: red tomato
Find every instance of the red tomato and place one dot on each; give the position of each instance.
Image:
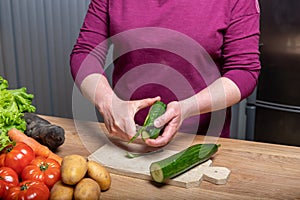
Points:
(43, 169)
(8, 178)
(17, 156)
(33, 190)
(2, 159)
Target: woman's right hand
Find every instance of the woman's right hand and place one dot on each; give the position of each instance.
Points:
(119, 115)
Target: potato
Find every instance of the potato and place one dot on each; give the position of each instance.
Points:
(61, 191)
(87, 188)
(73, 169)
(100, 174)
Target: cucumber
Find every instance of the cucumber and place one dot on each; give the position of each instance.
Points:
(148, 130)
(181, 161)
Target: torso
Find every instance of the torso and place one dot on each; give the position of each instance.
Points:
(158, 47)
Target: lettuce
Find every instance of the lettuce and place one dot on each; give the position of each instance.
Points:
(13, 104)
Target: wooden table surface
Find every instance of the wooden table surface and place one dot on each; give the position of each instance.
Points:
(258, 170)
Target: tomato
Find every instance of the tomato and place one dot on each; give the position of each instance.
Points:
(43, 169)
(17, 156)
(2, 159)
(8, 178)
(33, 190)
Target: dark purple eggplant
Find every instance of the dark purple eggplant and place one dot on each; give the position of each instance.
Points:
(43, 131)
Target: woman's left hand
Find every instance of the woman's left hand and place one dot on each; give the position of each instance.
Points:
(172, 120)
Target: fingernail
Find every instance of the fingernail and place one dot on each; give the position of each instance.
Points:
(156, 123)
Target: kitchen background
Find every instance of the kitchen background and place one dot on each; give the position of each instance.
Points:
(37, 36)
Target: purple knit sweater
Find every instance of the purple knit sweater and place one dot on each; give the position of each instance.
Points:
(171, 48)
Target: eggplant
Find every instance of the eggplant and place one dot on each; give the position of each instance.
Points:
(43, 131)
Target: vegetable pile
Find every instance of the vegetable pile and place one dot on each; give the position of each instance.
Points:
(13, 104)
(81, 179)
(28, 170)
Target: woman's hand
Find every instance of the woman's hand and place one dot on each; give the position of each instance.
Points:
(119, 116)
(219, 95)
(172, 120)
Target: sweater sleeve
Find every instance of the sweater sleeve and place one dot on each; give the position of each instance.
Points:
(241, 46)
(89, 52)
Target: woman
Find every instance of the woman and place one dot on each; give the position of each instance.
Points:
(159, 54)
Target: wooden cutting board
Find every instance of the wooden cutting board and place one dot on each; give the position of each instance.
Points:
(114, 158)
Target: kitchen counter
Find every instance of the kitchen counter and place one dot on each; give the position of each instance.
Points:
(258, 170)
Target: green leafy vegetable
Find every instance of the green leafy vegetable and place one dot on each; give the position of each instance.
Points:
(13, 104)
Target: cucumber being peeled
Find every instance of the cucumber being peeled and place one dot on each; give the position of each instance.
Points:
(148, 130)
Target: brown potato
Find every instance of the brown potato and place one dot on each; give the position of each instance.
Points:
(73, 169)
(61, 191)
(100, 174)
(87, 188)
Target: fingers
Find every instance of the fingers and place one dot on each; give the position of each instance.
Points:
(122, 125)
(171, 119)
(170, 114)
(130, 129)
(164, 119)
(164, 139)
(146, 102)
